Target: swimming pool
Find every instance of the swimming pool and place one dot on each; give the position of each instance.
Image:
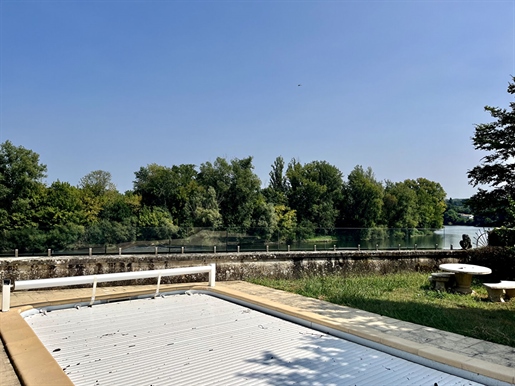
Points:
(196, 338)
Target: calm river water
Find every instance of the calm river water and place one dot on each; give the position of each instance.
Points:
(453, 235)
(429, 239)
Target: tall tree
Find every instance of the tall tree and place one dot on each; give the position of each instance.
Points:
(21, 193)
(400, 205)
(204, 208)
(497, 168)
(314, 194)
(363, 199)
(218, 176)
(21, 184)
(276, 190)
(170, 188)
(97, 182)
(96, 189)
(61, 205)
(430, 202)
(237, 189)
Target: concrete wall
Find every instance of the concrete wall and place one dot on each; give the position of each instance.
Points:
(230, 266)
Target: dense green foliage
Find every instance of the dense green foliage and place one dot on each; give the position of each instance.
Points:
(495, 206)
(500, 259)
(407, 296)
(301, 201)
(458, 213)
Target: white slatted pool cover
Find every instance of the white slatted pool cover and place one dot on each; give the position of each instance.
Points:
(202, 340)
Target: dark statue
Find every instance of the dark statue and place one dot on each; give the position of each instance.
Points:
(466, 243)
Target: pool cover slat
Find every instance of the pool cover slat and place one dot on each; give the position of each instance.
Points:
(200, 339)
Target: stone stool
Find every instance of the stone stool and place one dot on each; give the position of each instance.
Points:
(498, 291)
(441, 280)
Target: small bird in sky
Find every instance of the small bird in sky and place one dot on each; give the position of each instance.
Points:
(299, 85)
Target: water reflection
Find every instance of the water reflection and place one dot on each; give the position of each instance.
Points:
(451, 235)
(381, 239)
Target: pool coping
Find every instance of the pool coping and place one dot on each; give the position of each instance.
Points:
(34, 364)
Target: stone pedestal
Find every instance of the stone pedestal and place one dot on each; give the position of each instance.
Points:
(463, 283)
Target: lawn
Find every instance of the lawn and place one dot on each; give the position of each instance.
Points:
(408, 297)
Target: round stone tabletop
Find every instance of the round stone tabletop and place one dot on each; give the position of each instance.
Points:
(466, 268)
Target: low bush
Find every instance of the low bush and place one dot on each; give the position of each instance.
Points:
(501, 237)
(501, 260)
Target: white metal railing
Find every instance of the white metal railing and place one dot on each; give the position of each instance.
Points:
(102, 278)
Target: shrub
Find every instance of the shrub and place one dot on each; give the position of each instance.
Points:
(501, 237)
(501, 260)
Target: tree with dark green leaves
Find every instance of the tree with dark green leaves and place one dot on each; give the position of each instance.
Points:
(430, 202)
(400, 205)
(237, 187)
(276, 191)
(497, 168)
(204, 208)
(155, 223)
(62, 216)
(21, 194)
(362, 199)
(314, 193)
(168, 187)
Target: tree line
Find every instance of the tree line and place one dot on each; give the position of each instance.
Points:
(300, 201)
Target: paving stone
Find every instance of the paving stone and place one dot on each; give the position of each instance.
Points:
(7, 375)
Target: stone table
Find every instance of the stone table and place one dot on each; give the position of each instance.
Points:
(463, 274)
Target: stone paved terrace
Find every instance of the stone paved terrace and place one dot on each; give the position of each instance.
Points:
(492, 360)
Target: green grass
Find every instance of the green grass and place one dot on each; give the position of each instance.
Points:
(408, 297)
(321, 239)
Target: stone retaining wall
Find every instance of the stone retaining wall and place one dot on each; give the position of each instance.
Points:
(230, 266)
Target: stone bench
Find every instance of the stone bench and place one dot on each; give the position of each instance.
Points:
(497, 290)
(440, 281)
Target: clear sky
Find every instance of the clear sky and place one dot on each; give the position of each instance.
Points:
(117, 85)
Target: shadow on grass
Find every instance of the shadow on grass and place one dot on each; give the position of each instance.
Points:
(494, 323)
(411, 300)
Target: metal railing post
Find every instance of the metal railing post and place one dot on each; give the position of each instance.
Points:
(94, 291)
(16, 253)
(158, 284)
(212, 275)
(6, 295)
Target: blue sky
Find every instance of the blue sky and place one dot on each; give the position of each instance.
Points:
(116, 85)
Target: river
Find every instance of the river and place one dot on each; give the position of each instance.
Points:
(452, 234)
(393, 239)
